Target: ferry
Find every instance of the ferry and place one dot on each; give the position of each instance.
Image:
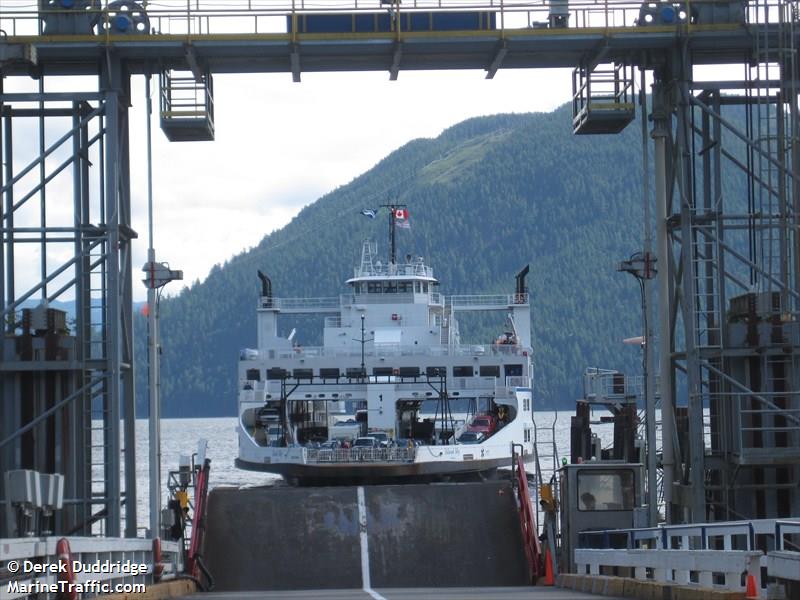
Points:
(393, 392)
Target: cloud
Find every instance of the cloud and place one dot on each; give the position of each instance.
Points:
(279, 146)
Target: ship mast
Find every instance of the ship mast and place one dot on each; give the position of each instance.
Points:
(392, 218)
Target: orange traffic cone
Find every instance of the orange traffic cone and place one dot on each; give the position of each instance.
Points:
(752, 591)
(548, 568)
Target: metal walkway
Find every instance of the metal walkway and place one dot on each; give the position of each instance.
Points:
(280, 38)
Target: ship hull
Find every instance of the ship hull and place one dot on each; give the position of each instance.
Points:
(378, 471)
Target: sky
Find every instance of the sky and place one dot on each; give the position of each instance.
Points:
(279, 146)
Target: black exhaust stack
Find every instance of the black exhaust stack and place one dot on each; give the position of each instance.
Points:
(521, 289)
(266, 286)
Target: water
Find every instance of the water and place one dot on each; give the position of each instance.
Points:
(180, 436)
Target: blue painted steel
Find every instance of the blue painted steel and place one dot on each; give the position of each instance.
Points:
(383, 22)
(121, 23)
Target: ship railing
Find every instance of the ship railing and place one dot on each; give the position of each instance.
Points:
(472, 383)
(390, 270)
(386, 350)
(304, 304)
(391, 298)
(517, 381)
(482, 301)
(361, 455)
(119, 565)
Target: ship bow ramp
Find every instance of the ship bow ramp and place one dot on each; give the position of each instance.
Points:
(435, 535)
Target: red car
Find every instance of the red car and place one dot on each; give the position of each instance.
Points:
(486, 424)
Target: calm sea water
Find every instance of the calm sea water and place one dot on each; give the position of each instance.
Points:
(180, 436)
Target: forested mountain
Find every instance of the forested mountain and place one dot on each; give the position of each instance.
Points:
(485, 197)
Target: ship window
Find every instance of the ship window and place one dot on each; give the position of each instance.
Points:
(253, 375)
(605, 490)
(513, 370)
(424, 287)
(462, 371)
(417, 287)
(357, 288)
(490, 371)
(390, 287)
(404, 287)
(374, 287)
(382, 371)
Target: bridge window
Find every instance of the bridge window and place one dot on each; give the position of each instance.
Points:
(374, 287)
(417, 287)
(513, 370)
(390, 287)
(463, 371)
(490, 370)
(404, 287)
(601, 490)
(253, 375)
(424, 287)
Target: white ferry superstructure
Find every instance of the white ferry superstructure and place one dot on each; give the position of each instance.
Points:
(391, 366)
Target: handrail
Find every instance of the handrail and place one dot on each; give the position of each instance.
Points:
(205, 17)
(664, 535)
(194, 563)
(527, 516)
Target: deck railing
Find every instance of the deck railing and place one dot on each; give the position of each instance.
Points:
(361, 455)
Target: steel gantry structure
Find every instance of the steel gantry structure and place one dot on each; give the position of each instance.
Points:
(727, 259)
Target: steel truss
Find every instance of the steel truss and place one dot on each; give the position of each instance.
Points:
(728, 266)
(730, 271)
(69, 411)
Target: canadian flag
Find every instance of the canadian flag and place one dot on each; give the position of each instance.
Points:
(401, 218)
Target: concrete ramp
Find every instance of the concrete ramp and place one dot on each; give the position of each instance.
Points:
(438, 535)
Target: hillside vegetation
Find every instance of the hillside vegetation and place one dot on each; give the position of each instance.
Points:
(485, 197)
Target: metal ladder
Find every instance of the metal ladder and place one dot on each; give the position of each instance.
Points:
(546, 458)
(707, 313)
